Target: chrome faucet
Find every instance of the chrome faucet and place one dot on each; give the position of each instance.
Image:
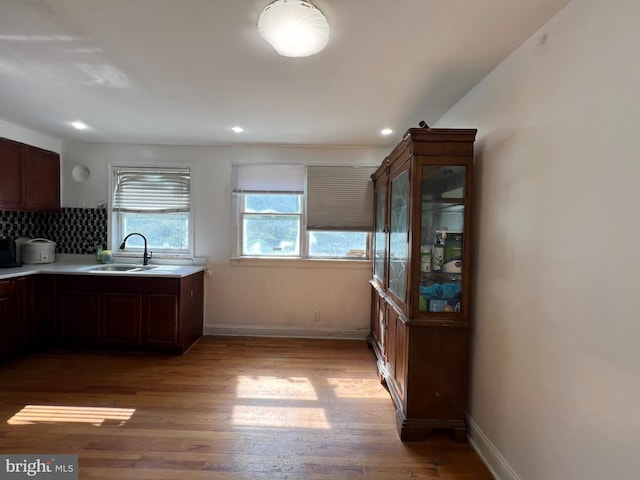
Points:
(145, 256)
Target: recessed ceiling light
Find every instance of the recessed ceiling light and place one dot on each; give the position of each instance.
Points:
(80, 125)
(386, 131)
(238, 129)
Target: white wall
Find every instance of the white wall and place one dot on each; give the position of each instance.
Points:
(556, 363)
(277, 299)
(30, 137)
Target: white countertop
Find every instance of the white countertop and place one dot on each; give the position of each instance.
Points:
(78, 268)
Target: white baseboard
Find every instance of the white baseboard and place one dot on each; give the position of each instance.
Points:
(283, 332)
(489, 454)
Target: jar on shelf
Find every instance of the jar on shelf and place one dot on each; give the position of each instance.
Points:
(425, 258)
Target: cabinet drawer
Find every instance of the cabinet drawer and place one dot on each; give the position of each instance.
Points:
(160, 285)
(117, 284)
(97, 284)
(7, 288)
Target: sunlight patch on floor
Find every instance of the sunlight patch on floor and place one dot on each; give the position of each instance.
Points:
(95, 416)
(280, 388)
(350, 388)
(279, 417)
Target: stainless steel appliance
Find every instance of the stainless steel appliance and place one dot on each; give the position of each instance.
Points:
(38, 250)
(8, 253)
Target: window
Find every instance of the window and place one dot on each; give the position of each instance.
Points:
(155, 202)
(338, 244)
(299, 211)
(271, 224)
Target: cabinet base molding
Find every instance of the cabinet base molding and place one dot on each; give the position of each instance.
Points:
(415, 429)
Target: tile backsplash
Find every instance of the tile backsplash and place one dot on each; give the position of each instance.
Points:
(75, 230)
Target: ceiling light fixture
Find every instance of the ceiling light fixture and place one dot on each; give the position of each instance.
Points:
(79, 125)
(237, 129)
(295, 28)
(386, 131)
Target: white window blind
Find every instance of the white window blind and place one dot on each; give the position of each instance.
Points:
(340, 198)
(152, 190)
(265, 178)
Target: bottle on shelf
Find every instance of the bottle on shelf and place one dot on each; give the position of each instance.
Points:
(425, 258)
(437, 257)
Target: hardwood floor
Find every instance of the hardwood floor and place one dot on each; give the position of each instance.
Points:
(230, 408)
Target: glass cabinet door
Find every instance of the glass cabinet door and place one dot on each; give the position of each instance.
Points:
(379, 238)
(441, 239)
(398, 235)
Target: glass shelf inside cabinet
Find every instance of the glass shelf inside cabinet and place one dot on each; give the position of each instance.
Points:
(442, 235)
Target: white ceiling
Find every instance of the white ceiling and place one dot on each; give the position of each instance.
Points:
(186, 71)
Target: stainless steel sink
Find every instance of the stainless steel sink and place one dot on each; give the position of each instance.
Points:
(114, 268)
(141, 268)
(120, 268)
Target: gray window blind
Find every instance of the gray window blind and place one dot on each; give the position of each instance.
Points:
(340, 198)
(152, 190)
(265, 178)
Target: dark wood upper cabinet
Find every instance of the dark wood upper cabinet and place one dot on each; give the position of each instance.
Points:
(12, 181)
(43, 179)
(30, 177)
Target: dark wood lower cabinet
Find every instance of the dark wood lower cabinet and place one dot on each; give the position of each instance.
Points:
(7, 317)
(94, 311)
(424, 366)
(397, 351)
(79, 316)
(48, 331)
(191, 310)
(160, 326)
(378, 324)
(18, 323)
(146, 313)
(27, 327)
(121, 315)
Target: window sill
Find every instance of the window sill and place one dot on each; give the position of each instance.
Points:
(299, 263)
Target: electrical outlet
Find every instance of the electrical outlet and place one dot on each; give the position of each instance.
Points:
(316, 315)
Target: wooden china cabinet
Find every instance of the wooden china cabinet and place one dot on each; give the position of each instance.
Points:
(421, 278)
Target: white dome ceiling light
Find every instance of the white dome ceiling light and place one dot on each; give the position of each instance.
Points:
(80, 173)
(295, 28)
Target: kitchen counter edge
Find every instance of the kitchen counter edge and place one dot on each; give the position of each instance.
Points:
(170, 271)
